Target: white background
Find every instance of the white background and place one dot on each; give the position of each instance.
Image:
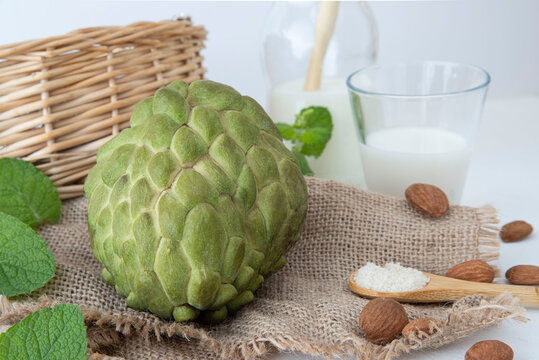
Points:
(501, 36)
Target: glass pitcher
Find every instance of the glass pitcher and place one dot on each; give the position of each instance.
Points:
(288, 42)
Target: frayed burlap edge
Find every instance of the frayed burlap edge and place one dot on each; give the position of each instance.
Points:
(488, 241)
(462, 318)
(111, 326)
(478, 310)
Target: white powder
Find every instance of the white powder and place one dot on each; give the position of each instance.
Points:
(390, 278)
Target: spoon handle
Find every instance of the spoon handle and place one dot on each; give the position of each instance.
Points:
(529, 295)
(456, 289)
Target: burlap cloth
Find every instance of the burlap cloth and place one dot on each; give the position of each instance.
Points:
(307, 305)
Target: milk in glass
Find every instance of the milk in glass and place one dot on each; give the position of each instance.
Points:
(394, 158)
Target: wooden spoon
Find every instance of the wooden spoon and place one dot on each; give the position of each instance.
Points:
(443, 289)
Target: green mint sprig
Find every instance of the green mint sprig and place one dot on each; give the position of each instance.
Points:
(309, 134)
(27, 194)
(48, 334)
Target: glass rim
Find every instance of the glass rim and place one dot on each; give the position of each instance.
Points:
(484, 84)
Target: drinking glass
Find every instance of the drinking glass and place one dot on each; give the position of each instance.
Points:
(417, 123)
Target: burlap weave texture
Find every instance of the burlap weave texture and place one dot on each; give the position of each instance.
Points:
(307, 305)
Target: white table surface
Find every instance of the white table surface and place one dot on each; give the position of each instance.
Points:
(504, 172)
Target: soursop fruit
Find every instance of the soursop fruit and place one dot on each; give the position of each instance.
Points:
(195, 204)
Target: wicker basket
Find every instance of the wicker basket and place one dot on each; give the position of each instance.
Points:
(62, 97)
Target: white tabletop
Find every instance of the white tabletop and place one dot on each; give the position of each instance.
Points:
(504, 172)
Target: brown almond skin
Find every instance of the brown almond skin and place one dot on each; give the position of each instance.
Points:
(490, 350)
(523, 275)
(427, 199)
(515, 231)
(382, 320)
(473, 270)
(420, 325)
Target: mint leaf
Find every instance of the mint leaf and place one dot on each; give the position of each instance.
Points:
(315, 136)
(314, 141)
(27, 194)
(314, 116)
(51, 333)
(287, 131)
(309, 134)
(303, 164)
(26, 263)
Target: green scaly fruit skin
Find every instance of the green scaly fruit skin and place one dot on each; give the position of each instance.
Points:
(195, 204)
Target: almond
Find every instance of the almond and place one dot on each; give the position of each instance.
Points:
(382, 320)
(523, 275)
(427, 199)
(421, 325)
(489, 350)
(473, 270)
(515, 231)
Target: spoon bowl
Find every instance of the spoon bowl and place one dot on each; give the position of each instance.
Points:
(445, 289)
